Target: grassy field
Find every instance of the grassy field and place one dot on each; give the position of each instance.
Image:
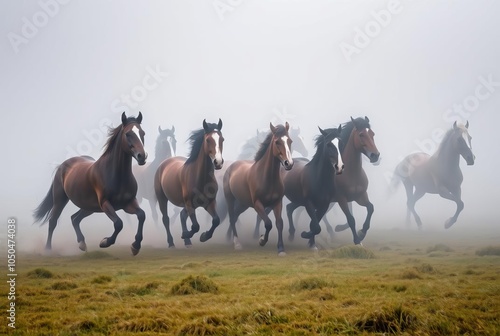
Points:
(401, 282)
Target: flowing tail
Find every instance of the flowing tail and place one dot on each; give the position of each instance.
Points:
(43, 211)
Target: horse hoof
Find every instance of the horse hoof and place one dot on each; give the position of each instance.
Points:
(262, 241)
(82, 246)
(104, 243)
(282, 254)
(314, 248)
(188, 245)
(306, 235)
(134, 250)
(449, 223)
(172, 246)
(238, 247)
(205, 236)
(361, 235)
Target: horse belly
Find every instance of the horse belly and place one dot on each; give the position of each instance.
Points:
(171, 182)
(78, 187)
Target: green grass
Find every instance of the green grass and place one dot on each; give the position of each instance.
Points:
(214, 290)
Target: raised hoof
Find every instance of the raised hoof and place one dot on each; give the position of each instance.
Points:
(449, 223)
(361, 235)
(134, 250)
(82, 246)
(342, 227)
(262, 241)
(306, 235)
(282, 254)
(187, 234)
(104, 243)
(205, 236)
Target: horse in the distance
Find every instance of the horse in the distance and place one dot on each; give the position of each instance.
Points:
(437, 174)
(312, 184)
(165, 147)
(190, 182)
(258, 183)
(105, 185)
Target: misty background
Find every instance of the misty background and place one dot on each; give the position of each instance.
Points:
(69, 73)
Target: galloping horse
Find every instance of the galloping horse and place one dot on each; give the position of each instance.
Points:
(437, 174)
(312, 184)
(164, 148)
(190, 183)
(105, 185)
(259, 185)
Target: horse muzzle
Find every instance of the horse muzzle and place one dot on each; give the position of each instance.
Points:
(218, 164)
(374, 157)
(287, 164)
(338, 169)
(470, 160)
(141, 158)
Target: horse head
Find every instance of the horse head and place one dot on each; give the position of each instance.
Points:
(133, 138)
(363, 139)
(281, 145)
(166, 140)
(213, 143)
(330, 139)
(464, 142)
(298, 141)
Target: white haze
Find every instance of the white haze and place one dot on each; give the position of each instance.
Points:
(263, 61)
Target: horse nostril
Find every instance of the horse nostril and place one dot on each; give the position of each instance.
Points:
(342, 167)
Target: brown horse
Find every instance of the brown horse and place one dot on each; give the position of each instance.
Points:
(437, 174)
(259, 185)
(190, 183)
(164, 148)
(105, 185)
(312, 184)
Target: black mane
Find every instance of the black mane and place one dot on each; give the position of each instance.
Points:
(196, 141)
(319, 140)
(280, 131)
(114, 134)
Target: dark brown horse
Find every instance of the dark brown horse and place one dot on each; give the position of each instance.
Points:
(312, 184)
(105, 185)
(259, 185)
(164, 148)
(190, 183)
(437, 174)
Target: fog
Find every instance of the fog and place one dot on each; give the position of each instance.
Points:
(69, 70)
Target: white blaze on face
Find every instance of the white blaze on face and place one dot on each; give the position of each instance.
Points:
(287, 149)
(218, 153)
(336, 143)
(169, 140)
(135, 129)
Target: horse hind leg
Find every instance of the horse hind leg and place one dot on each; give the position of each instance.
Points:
(59, 201)
(76, 218)
(154, 213)
(183, 215)
(290, 208)
(411, 205)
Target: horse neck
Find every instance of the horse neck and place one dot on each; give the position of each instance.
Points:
(118, 162)
(268, 166)
(160, 155)
(351, 156)
(203, 167)
(447, 156)
(321, 165)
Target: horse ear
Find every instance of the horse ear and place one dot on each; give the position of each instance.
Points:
(205, 126)
(467, 124)
(139, 118)
(124, 118)
(340, 128)
(287, 126)
(159, 129)
(219, 125)
(173, 128)
(367, 120)
(321, 131)
(273, 129)
(455, 125)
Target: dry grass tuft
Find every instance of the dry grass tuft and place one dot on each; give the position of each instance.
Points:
(410, 275)
(40, 273)
(352, 252)
(102, 279)
(310, 283)
(425, 268)
(192, 285)
(489, 250)
(63, 285)
(395, 321)
(96, 255)
(440, 248)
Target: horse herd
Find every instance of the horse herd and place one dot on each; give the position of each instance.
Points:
(333, 175)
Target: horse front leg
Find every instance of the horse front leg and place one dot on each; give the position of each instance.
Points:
(261, 211)
(365, 202)
(342, 227)
(211, 209)
(108, 209)
(456, 196)
(350, 220)
(290, 208)
(195, 226)
(133, 208)
(279, 226)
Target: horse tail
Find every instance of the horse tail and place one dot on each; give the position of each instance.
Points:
(43, 211)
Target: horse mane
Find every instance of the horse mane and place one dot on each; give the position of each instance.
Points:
(446, 139)
(196, 141)
(347, 130)
(114, 134)
(280, 131)
(319, 141)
